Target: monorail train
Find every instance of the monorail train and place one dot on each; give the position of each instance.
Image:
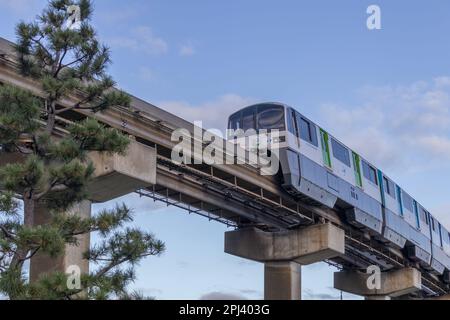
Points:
(317, 168)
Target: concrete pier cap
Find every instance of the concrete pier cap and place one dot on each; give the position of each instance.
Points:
(392, 284)
(304, 246)
(118, 175)
(115, 175)
(283, 254)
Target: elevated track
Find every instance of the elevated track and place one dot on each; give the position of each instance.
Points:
(235, 195)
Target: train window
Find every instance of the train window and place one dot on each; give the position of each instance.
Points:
(271, 117)
(386, 185)
(445, 235)
(248, 119)
(424, 216)
(433, 224)
(235, 122)
(340, 152)
(389, 187)
(369, 172)
(307, 130)
(292, 126)
(408, 202)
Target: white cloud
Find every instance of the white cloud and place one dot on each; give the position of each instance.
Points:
(222, 296)
(187, 50)
(397, 127)
(310, 294)
(141, 39)
(442, 82)
(214, 114)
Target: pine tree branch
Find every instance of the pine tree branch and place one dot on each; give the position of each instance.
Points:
(39, 43)
(60, 62)
(7, 233)
(74, 62)
(22, 150)
(33, 253)
(51, 187)
(77, 105)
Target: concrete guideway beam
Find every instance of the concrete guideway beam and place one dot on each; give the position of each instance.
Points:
(392, 284)
(303, 246)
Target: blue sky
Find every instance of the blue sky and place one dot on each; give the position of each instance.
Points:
(384, 93)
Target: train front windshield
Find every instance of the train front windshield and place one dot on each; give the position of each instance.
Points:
(261, 117)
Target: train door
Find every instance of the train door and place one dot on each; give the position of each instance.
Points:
(357, 168)
(399, 200)
(293, 128)
(294, 143)
(416, 215)
(325, 148)
(381, 181)
(435, 231)
(440, 235)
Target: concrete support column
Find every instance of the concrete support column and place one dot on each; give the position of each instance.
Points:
(283, 253)
(41, 263)
(378, 298)
(282, 281)
(392, 284)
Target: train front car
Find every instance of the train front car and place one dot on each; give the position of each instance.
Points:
(315, 167)
(299, 151)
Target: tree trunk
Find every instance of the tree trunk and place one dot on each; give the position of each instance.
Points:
(51, 121)
(29, 206)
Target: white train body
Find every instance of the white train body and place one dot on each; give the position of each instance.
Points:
(319, 169)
